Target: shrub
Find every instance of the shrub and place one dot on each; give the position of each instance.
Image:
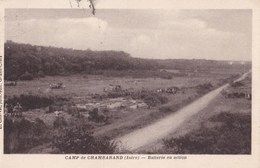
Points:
(236, 84)
(94, 116)
(30, 101)
(12, 77)
(150, 98)
(114, 94)
(41, 74)
(166, 76)
(165, 109)
(98, 96)
(39, 127)
(59, 122)
(233, 137)
(204, 88)
(22, 134)
(26, 76)
(78, 140)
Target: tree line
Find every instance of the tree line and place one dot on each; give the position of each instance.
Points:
(25, 61)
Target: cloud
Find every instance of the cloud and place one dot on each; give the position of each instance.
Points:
(141, 41)
(65, 32)
(142, 45)
(49, 25)
(184, 24)
(146, 34)
(37, 4)
(92, 23)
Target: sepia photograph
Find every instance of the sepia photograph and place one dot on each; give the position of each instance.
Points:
(127, 81)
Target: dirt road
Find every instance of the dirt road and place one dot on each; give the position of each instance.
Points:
(160, 129)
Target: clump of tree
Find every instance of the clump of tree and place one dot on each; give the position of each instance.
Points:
(77, 140)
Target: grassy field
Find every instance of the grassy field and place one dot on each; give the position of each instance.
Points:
(114, 117)
(82, 85)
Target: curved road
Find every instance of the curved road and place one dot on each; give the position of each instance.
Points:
(160, 129)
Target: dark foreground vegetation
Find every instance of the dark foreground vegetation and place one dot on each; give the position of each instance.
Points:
(65, 136)
(22, 134)
(29, 101)
(79, 141)
(233, 136)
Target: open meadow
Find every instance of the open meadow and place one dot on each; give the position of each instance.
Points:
(107, 107)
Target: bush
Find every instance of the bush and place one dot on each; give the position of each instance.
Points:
(30, 101)
(233, 137)
(94, 116)
(22, 134)
(41, 74)
(166, 76)
(114, 94)
(59, 122)
(204, 88)
(77, 140)
(26, 76)
(12, 77)
(39, 127)
(236, 84)
(166, 109)
(150, 98)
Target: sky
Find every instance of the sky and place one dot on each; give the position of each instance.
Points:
(144, 33)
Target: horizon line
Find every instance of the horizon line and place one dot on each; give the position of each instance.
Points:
(11, 41)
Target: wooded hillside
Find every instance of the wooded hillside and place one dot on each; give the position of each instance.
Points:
(24, 60)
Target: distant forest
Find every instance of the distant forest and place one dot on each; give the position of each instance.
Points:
(25, 61)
